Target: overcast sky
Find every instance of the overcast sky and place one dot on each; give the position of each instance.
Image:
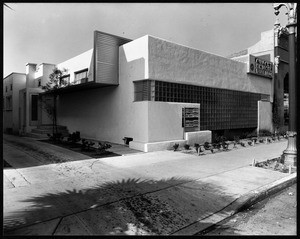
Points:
(55, 32)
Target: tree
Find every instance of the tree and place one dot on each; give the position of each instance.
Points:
(55, 82)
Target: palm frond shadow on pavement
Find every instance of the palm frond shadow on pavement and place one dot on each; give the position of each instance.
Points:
(126, 207)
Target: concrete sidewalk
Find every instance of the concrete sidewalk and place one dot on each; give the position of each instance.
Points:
(157, 193)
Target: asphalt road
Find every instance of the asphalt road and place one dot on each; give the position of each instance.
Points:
(275, 215)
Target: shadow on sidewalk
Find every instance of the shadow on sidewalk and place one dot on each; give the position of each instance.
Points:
(39, 153)
(120, 208)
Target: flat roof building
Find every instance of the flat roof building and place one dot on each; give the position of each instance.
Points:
(154, 92)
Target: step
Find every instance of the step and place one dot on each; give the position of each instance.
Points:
(50, 127)
(37, 136)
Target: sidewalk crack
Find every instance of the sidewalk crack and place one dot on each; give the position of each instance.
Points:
(55, 229)
(23, 176)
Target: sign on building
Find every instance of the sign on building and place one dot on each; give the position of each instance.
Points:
(190, 119)
(261, 67)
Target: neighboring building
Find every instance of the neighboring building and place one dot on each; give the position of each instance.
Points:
(154, 92)
(273, 46)
(11, 86)
(36, 76)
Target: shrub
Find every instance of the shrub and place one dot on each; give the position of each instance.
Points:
(86, 145)
(225, 145)
(175, 146)
(187, 146)
(56, 137)
(264, 133)
(74, 137)
(207, 146)
(197, 146)
(251, 135)
(101, 149)
(237, 139)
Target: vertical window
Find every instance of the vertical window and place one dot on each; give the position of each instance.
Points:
(34, 107)
(39, 82)
(6, 88)
(11, 86)
(81, 76)
(8, 103)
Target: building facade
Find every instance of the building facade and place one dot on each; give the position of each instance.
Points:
(154, 92)
(273, 46)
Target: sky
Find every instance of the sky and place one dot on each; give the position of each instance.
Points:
(54, 32)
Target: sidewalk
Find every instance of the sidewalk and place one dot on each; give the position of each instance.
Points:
(162, 192)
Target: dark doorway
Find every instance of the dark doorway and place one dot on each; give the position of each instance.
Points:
(34, 107)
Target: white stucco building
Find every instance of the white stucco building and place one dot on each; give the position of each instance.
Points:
(153, 91)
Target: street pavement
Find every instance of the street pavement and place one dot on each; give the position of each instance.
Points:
(156, 193)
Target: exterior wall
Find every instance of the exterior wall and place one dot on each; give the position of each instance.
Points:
(165, 120)
(265, 116)
(44, 118)
(11, 117)
(7, 112)
(110, 113)
(42, 72)
(27, 125)
(30, 75)
(176, 63)
(78, 63)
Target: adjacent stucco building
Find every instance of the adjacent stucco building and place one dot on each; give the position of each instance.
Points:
(11, 86)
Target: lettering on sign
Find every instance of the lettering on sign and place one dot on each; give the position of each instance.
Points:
(259, 66)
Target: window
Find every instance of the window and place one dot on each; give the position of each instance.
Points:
(8, 103)
(6, 88)
(11, 86)
(81, 76)
(64, 80)
(39, 82)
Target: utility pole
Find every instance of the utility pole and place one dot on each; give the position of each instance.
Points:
(290, 153)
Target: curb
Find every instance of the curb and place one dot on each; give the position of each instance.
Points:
(241, 203)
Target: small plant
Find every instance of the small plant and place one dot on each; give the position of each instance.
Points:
(207, 146)
(74, 137)
(243, 144)
(56, 137)
(237, 139)
(251, 135)
(102, 147)
(86, 145)
(263, 133)
(175, 146)
(269, 140)
(200, 150)
(225, 145)
(197, 146)
(186, 146)
(217, 146)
